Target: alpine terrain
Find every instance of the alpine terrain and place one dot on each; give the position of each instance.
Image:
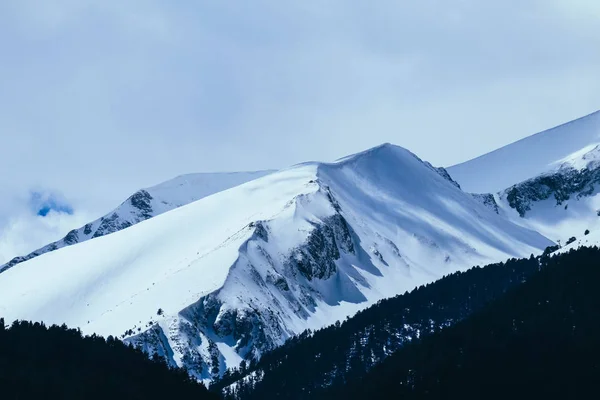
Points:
(237, 272)
(548, 182)
(520, 329)
(145, 204)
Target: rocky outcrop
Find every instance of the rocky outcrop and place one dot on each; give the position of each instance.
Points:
(562, 185)
(111, 224)
(444, 174)
(316, 258)
(487, 200)
(142, 203)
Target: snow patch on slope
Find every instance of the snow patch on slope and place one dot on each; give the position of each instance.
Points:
(588, 157)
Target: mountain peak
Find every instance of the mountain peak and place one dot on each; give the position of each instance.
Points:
(382, 152)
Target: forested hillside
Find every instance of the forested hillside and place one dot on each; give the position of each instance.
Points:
(37, 362)
(538, 341)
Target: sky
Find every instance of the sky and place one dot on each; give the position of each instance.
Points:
(101, 97)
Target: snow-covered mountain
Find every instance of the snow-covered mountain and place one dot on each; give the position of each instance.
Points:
(532, 156)
(548, 182)
(562, 203)
(145, 204)
(236, 273)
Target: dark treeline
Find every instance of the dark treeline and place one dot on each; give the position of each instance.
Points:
(540, 341)
(345, 352)
(37, 362)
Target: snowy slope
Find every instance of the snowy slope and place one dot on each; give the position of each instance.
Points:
(237, 272)
(528, 157)
(561, 203)
(591, 239)
(145, 204)
(548, 182)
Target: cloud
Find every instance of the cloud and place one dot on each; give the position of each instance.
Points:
(42, 203)
(99, 98)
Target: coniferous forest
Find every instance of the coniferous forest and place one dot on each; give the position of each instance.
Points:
(541, 340)
(39, 362)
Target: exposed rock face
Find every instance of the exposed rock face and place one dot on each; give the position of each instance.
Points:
(316, 258)
(142, 201)
(487, 200)
(18, 260)
(71, 238)
(444, 173)
(110, 225)
(561, 185)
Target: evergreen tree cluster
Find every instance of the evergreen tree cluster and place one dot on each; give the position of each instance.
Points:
(39, 362)
(345, 352)
(541, 340)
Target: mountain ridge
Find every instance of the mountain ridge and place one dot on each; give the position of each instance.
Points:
(555, 191)
(145, 204)
(236, 273)
(529, 157)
